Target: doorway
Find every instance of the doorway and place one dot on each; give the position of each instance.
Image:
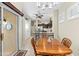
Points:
(10, 34)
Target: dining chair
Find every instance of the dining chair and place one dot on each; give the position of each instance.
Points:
(33, 45)
(67, 42)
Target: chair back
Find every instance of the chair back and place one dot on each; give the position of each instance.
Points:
(67, 42)
(33, 45)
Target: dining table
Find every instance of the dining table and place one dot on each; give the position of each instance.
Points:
(52, 47)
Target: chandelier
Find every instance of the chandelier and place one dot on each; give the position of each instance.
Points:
(44, 5)
(39, 15)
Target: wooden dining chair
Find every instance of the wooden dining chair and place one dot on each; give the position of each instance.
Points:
(33, 45)
(67, 42)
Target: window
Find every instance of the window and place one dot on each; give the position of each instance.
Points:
(73, 11)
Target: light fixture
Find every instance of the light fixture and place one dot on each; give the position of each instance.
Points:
(4, 23)
(44, 5)
(38, 4)
(56, 3)
(50, 5)
(38, 15)
(26, 26)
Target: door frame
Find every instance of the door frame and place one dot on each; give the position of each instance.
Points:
(1, 28)
(17, 24)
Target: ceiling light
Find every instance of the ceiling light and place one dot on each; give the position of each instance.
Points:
(43, 6)
(38, 4)
(50, 5)
(55, 3)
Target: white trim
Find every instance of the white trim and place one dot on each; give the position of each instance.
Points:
(0, 33)
(2, 26)
(17, 33)
(73, 17)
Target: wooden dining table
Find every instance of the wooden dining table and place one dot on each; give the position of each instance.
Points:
(53, 47)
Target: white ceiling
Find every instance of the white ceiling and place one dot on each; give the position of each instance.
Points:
(30, 9)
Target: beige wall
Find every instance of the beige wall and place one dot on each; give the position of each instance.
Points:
(18, 5)
(70, 29)
(9, 39)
